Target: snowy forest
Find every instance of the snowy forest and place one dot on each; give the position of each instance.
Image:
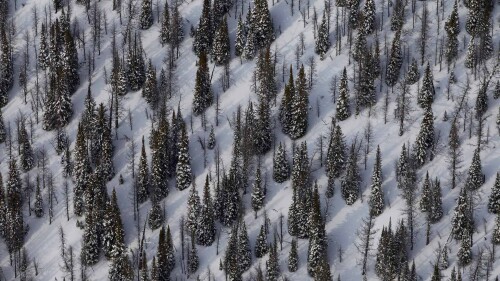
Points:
(158, 140)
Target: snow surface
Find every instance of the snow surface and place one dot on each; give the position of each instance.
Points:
(342, 222)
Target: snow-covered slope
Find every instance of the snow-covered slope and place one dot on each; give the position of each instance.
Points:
(342, 221)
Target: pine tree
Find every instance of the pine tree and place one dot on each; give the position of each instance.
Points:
(261, 246)
(231, 258)
(427, 92)
(121, 269)
(113, 239)
(250, 46)
(281, 167)
(351, 182)
(221, 49)
(205, 230)
(285, 113)
(318, 247)
(299, 106)
(436, 208)
(475, 177)
(262, 138)
(377, 195)
(136, 73)
(155, 216)
(203, 95)
(322, 40)
(165, 26)
(258, 194)
(58, 107)
(193, 210)
(183, 173)
(481, 105)
(336, 157)
(452, 28)
(43, 54)
(146, 17)
(360, 48)
(240, 43)
(369, 12)
(70, 62)
(82, 171)
(143, 177)
(293, 258)
(426, 199)
(462, 221)
(25, 151)
(38, 205)
(165, 255)
(343, 108)
(425, 138)
(395, 59)
(464, 254)
(398, 16)
(494, 198)
(244, 251)
(272, 264)
(261, 25)
(193, 260)
(90, 245)
(150, 89)
(203, 38)
(413, 75)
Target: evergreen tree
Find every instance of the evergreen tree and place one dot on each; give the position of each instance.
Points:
(244, 251)
(261, 246)
(82, 171)
(43, 54)
(426, 199)
(155, 216)
(136, 73)
(258, 194)
(475, 177)
(443, 263)
(240, 43)
(281, 167)
(496, 231)
(143, 177)
(369, 13)
(413, 75)
(165, 25)
(193, 260)
(203, 38)
(146, 17)
(177, 26)
(436, 274)
(250, 46)
(322, 40)
(231, 258)
(183, 173)
(26, 156)
(263, 129)
(165, 255)
(90, 246)
(343, 108)
(377, 195)
(462, 221)
(360, 48)
(70, 62)
(318, 247)
(193, 210)
(464, 254)
(285, 111)
(272, 264)
(398, 16)
(350, 184)
(336, 157)
(395, 59)
(58, 107)
(261, 25)
(205, 229)
(38, 205)
(293, 258)
(150, 89)
(143, 267)
(494, 198)
(6, 68)
(3, 134)
(436, 208)
(121, 269)
(203, 95)
(221, 49)
(481, 105)
(427, 92)
(113, 239)
(425, 138)
(299, 106)
(496, 93)
(452, 28)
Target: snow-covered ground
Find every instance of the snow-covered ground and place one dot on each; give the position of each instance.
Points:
(342, 221)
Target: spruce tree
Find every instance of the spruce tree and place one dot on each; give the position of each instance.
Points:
(322, 40)
(369, 13)
(211, 139)
(360, 48)
(299, 106)
(203, 95)
(281, 167)
(26, 156)
(146, 17)
(150, 88)
(377, 195)
(413, 75)
(318, 247)
(426, 199)
(58, 107)
(165, 28)
(240, 43)
(155, 216)
(90, 245)
(193, 260)
(143, 177)
(221, 49)
(336, 157)
(496, 93)
(475, 177)
(136, 73)
(395, 60)
(261, 25)
(272, 264)
(183, 173)
(6, 68)
(3, 134)
(43, 54)
(261, 246)
(203, 38)
(285, 111)
(293, 257)
(494, 198)
(38, 205)
(193, 210)
(165, 254)
(113, 239)
(481, 105)
(462, 221)
(436, 274)
(258, 194)
(121, 269)
(495, 238)
(425, 138)
(427, 92)
(244, 251)
(231, 258)
(471, 55)
(343, 109)
(205, 230)
(464, 254)
(398, 16)
(262, 138)
(452, 28)
(436, 208)
(350, 184)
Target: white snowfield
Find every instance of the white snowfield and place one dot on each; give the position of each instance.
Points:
(342, 221)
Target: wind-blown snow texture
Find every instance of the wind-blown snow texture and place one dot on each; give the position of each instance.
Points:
(342, 221)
